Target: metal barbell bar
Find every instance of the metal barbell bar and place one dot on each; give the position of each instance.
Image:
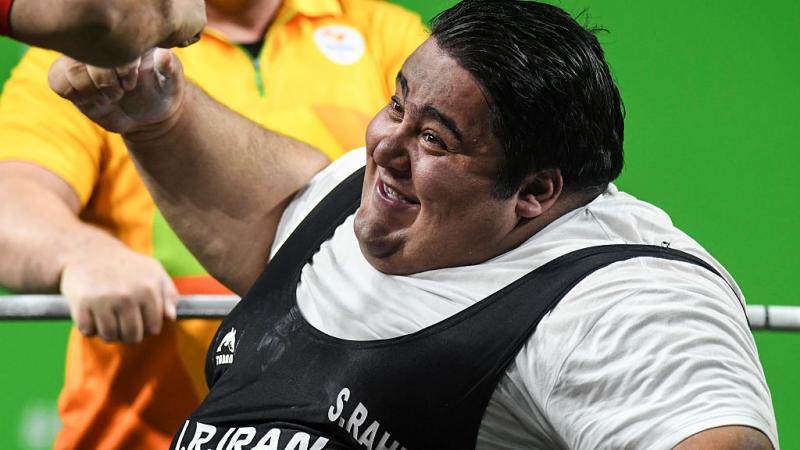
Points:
(55, 307)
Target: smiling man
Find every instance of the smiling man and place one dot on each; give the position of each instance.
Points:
(477, 283)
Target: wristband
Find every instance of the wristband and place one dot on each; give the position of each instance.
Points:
(5, 17)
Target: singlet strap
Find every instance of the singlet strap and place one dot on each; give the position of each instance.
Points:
(317, 227)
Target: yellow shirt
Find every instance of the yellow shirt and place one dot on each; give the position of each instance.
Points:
(325, 68)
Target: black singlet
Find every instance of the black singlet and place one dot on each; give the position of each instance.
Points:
(277, 383)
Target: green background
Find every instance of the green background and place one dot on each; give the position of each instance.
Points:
(712, 92)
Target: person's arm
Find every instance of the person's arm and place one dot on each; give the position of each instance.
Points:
(113, 292)
(104, 32)
(220, 180)
(727, 438)
(51, 166)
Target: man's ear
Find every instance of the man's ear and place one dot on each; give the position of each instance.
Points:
(539, 193)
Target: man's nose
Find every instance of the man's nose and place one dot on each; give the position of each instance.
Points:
(393, 151)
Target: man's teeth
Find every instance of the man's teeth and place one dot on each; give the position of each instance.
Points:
(391, 193)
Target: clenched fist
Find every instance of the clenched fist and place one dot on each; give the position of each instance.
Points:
(106, 32)
(143, 96)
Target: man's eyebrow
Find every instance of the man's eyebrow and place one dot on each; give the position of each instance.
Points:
(431, 111)
(444, 119)
(403, 83)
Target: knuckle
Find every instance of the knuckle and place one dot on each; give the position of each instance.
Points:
(95, 304)
(70, 93)
(82, 308)
(100, 74)
(75, 68)
(141, 296)
(124, 302)
(108, 85)
(60, 85)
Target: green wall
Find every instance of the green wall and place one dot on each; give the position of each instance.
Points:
(10, 52)
(712, 130)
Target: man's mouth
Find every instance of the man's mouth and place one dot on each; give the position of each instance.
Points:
(392, 194)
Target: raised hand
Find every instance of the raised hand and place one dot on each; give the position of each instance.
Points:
(144, 95)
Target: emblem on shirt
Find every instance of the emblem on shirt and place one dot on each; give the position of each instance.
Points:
(227, 346)
(341, 44)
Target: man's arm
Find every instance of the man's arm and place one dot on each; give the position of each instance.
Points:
(221, 180)
(727, 438)
(112, 291)
(105, 32)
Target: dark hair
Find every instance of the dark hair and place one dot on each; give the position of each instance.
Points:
(553, 101)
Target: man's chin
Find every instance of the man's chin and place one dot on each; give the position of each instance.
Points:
(384, 256)
(385, 250)
(379, 254)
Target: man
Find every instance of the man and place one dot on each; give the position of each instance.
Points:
(76, 218)
(479, 284)
(103, 32)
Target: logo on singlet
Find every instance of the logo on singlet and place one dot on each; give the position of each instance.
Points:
(228, 345)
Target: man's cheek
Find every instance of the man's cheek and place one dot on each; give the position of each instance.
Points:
(375, 129)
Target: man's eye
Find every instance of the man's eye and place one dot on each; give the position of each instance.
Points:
(432, 138)
(394, 105)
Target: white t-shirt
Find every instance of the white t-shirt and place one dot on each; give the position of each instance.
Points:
(639, 355)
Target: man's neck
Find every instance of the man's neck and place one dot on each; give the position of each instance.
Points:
(242, 21)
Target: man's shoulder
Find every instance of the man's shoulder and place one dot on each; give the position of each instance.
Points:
(618, 217)
(320, 186)
(647, 322)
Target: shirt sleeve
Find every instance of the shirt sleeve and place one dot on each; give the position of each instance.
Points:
(643, 354)
(39, 127)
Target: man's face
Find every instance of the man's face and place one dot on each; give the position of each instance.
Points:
(432, 161)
